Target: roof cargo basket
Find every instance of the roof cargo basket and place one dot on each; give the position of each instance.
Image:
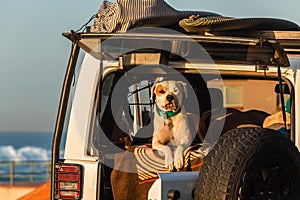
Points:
(222, 49)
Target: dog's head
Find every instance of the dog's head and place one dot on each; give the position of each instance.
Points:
(169, 94)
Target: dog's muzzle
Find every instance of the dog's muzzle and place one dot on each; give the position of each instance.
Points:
(172, 103)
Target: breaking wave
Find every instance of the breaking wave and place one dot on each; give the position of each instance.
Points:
(26, 153)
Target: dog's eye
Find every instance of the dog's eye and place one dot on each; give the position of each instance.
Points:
(162, 91)
(175, 90)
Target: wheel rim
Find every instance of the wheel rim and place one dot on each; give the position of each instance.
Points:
(266, 181)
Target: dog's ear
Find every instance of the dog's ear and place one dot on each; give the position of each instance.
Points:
(157, 80)
(184, 88)
(152, 91)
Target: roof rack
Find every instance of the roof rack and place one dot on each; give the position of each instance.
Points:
(289, 40)
(259, 48)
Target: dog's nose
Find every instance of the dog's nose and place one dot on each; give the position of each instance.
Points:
(170, 97)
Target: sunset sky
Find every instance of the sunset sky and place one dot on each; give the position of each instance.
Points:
(34, 55)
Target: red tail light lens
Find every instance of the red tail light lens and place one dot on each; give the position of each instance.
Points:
(68, 181)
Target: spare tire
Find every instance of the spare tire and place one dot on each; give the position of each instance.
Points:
(249, 164)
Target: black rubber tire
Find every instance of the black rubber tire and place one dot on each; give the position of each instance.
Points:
(248, 164)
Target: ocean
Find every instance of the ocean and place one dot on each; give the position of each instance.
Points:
(29, 151)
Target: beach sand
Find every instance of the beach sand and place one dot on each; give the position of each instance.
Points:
(26, 191)
(41, 193)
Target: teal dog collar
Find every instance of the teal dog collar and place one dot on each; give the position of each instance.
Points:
(167, 114)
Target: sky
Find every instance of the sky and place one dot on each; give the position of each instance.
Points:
(34, 55)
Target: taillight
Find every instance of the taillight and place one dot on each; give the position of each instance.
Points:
(68, 181)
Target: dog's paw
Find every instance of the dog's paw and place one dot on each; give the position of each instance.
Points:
(178, 158)
(169, 162)
(178, 164)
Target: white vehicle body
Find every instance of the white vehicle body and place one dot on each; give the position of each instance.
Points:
(79, 125)
(77, 148)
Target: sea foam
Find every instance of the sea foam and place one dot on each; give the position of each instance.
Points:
(26, 153)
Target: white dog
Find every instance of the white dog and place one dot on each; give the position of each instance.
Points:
(171, 130)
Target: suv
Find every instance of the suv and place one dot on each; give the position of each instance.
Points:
(241, 104)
